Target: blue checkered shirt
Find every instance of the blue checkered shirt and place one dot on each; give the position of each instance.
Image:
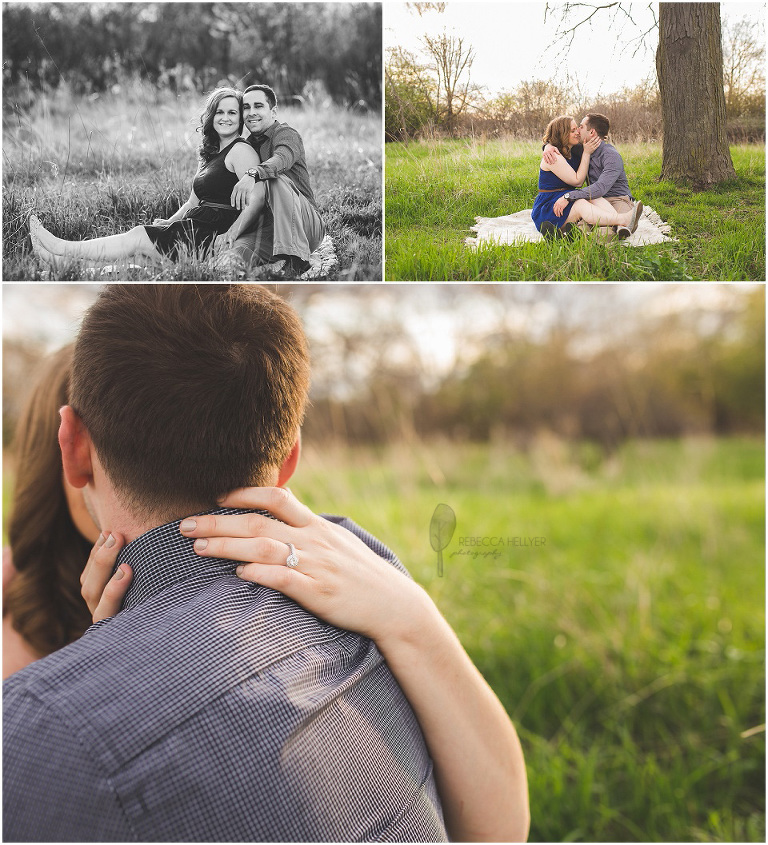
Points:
(212, 709)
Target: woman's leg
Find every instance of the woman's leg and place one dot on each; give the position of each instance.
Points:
(598, 212)
(111, 248)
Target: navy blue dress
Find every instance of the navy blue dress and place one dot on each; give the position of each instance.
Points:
(200, 225)
(551, 188)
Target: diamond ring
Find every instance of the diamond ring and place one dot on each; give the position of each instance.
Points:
(292, 561)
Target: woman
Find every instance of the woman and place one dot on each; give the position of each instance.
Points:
(49, 530)
(479, 767)
(224, 159)
(569, 171)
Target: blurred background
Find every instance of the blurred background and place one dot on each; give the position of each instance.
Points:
(621, 425)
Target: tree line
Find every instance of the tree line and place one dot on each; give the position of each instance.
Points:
(602, 370)
(431, 94)
(678, 374)
(295, 47)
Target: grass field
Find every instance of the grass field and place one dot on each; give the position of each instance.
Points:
(628, 646)
(98, 166)
(627, 643)
(435, 189)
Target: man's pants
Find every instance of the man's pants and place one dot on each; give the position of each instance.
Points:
(608, 233)
(288, 225)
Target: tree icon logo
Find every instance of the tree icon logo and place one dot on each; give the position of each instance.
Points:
(441, 530)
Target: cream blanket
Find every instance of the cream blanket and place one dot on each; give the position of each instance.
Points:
(519, 228)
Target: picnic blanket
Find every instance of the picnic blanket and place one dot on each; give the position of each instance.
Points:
(519, 228)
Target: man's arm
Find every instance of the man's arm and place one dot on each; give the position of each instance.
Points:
(613, 167)
(286, 148)
(53, 790)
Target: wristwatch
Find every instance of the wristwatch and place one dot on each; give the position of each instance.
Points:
(253, 172)
(566, 196)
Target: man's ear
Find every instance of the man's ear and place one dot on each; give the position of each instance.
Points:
(75, 444)
(289, 464)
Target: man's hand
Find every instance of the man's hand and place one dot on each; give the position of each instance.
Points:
(550, 154)
(227, 239)
(102, 591)
(241, 192)
(559, 206)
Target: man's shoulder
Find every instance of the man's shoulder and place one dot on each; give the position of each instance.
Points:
(283, 130)
(609, 150)
(372, 542)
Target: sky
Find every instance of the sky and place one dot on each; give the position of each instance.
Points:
(511, 41)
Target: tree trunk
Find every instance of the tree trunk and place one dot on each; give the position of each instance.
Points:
(689, 65)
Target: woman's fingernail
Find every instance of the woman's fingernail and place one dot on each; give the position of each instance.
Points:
(119, 575)
(110, 541)
(239, 569)
(188, 525)
(100, 541)
(201, 545)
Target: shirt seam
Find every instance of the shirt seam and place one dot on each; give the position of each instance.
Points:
(417, 792)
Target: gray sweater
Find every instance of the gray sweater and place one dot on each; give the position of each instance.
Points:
(606, 175)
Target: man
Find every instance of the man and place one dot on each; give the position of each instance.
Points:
(289, 226)
(606, 174)
(209, 708)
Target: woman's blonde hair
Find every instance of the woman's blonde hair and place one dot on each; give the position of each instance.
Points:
(558, 133)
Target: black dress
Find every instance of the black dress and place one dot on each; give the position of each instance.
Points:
(197, 229)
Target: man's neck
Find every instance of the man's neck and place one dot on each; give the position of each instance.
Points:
(112, 515)
(264, 132)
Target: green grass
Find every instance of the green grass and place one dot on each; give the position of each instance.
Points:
(93, 167)
(435, 189)
(628, 646)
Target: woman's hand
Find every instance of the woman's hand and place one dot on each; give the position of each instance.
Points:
(479, 766)
(338, 578)
(102, 591)
(592, 144)
(160, 221)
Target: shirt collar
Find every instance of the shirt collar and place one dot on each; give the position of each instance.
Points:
(267, 133)
(162, 557)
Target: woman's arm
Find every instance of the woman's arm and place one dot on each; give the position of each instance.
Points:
(564, 171)
(479, 766)
(189, 204)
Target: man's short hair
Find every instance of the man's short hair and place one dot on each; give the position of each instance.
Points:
(270, 94)
(600, 123)
(189, 391)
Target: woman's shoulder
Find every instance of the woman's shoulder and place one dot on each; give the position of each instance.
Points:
(240, 148)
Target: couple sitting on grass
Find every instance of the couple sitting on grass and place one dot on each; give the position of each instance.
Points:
(571, 153)
(251, 195)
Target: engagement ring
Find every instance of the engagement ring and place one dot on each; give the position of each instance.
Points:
(292, 561)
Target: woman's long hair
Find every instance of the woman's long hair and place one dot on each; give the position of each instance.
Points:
(210, 144)
(558, 133)
(48, 552)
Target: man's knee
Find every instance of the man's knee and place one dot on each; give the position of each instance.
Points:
(620, 204)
